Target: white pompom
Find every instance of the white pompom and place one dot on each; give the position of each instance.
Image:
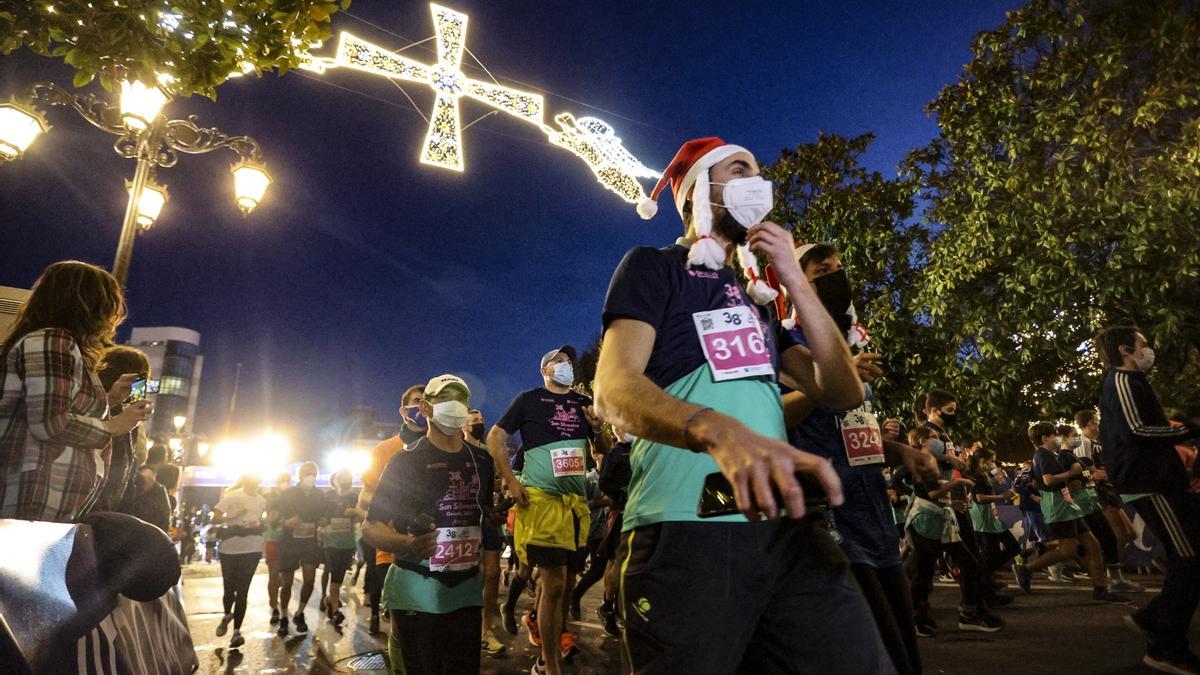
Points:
(761, 292)
(647, 208)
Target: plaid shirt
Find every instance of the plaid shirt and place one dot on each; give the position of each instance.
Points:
(54, 443)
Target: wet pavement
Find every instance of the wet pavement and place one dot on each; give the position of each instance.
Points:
(1058, 628)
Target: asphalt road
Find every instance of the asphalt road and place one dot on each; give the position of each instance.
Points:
(1056, 629)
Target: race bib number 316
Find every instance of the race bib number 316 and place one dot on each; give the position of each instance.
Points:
(733, 343)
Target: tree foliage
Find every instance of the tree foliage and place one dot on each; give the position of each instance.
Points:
(198, 42)
(823, 189)
(1065, 189)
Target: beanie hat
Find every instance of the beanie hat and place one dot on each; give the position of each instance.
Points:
(687, 174)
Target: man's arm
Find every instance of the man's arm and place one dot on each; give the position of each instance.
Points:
(631, 401)
(383, 537)
(497, 447)
(1135, 397)
(919, 463)
(825, 369)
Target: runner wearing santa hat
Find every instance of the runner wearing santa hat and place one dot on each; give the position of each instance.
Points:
(689, 366)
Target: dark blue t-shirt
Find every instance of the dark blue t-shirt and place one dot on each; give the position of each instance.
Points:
(658, 287)
(1050, 462)
(865, 521)
(543, 417)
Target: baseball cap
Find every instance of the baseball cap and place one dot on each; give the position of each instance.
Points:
(437, 384)
(565, 349)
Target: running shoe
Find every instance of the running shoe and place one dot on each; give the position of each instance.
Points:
(980, 623)
(301, 625)
(567, 644)
(274, 617)
(925, 630)
(1125, 586)
(535, 635)
(224, 625)
(237, 640)
(282, 631)
(491, 646)
(373, 627)
(608, 616)
(1186, 664)
(1024, 578)
(539, 667)
(1109, 598)
(509, 619)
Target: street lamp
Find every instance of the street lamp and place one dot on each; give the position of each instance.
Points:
(149, 204)
(179, 421)
(145, 135)
(20, 125)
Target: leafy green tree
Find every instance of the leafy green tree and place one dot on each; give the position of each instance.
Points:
(1064, 191)
(823, 189)
(198, 42)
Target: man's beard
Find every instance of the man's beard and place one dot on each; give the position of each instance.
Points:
(725, 227)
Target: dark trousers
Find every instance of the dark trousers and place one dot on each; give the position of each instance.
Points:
(439, 644)
(1175, 520)
(996, 549)
(1100, 528)
(765, 597)
(886, 591)
(594, 573)
(927, 552)
(373, 581)
(237, 571)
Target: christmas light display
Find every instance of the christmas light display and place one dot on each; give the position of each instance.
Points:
(588, 138)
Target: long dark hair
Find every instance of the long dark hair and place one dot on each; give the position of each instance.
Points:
(79, 298)
(977, 459)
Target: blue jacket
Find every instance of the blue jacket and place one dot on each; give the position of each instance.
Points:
(1139, 444)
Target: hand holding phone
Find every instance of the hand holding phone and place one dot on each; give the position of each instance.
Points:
(137, 390)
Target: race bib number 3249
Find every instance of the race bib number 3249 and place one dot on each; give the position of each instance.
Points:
(733, 343)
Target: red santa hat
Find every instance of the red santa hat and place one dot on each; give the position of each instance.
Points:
(687, 174)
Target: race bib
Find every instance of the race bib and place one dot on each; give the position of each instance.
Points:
(304, 531)
(567, 462)
(862, 438)
(1066, 493)
(733, 343)
(457, 549)
(339, 524)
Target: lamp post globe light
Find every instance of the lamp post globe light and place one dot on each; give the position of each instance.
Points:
(143, 134)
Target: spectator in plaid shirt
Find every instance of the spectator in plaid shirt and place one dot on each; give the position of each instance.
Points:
(55, 431)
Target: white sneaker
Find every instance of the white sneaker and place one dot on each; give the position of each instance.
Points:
(224, 625)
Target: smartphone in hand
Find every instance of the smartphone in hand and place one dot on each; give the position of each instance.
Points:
(716, 498)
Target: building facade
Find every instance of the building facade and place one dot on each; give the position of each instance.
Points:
(174, 385)
(11, 300)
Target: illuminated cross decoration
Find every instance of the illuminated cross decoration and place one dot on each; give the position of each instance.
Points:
(443, 141)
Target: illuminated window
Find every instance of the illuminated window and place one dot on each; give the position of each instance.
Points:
(177, 386)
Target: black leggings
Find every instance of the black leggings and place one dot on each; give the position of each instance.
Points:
(439, 644)
(886, 591)
(927, 552)
(237, 571)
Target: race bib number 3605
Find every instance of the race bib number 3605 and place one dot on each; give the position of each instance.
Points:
(457, 549)
(567, 462)
(733, 343)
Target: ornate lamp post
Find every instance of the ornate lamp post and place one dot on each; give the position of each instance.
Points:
(142, 134)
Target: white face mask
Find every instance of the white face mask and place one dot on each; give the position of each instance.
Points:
(628, 438)
(1146, 361)
(450, 416)
(748, 200)
(564, 374)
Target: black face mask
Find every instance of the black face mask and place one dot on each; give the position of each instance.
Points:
(835, 293)
(477, 431)
(409, 436)
(948, 419)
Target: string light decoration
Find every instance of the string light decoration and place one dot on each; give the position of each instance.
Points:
(588, 138)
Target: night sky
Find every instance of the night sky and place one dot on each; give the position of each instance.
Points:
(364, 271)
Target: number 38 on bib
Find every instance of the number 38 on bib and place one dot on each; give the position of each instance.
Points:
(733, 343)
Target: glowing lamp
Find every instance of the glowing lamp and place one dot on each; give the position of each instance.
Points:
(176, 444)
(140, 105)
(202, 448)
(20, 125)
(179, 421)
(250, 181)
(149, 204)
